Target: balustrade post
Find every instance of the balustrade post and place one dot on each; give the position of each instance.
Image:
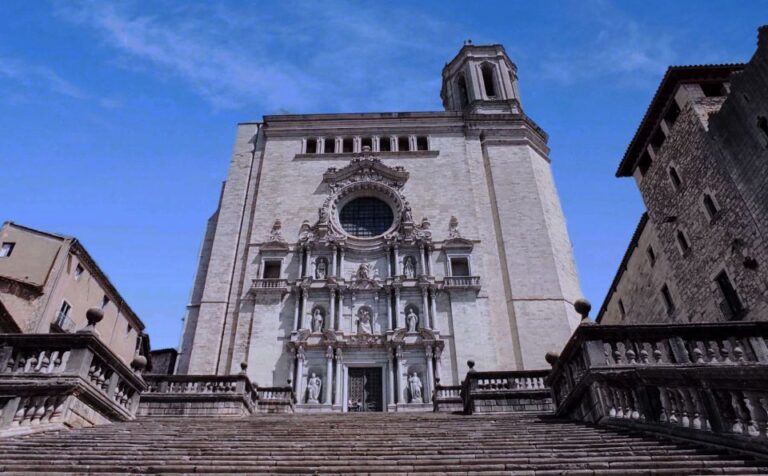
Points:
(79, 361)
(760, 348)
(594, 353)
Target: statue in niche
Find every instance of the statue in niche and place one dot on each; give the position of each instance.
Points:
(409, 267)
(322, 215)
(321, 268)
(415, 387)
(407, 213)
(313, 388)
(453, 228)
(364, 272)
(365, 322)
(411, 319)
(317, 320)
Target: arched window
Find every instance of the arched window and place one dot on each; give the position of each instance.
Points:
(463, 96)
(488, 81)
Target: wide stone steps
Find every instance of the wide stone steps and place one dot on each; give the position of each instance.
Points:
(361, 444)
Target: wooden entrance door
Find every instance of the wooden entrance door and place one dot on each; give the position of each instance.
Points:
(365, 392)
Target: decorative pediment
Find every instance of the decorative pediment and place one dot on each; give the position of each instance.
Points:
(366, 168)
(275, 240)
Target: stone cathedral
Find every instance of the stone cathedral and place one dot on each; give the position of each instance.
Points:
(363, 257)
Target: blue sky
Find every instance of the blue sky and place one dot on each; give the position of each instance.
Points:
(118, 118)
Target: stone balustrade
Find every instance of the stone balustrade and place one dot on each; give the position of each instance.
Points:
(707, 382)
(172, 395)
(270, 285)
(276, 399)
(60, 380)
(506, 391)
(461, 282)
(447, 398)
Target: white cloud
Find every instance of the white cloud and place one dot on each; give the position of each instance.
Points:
(38, 77)
(315, 53)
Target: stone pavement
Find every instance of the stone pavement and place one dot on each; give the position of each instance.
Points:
(379, 443)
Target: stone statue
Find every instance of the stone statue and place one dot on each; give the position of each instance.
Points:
(407, 214)
(364, 272)
(322, 215)
(415, 387)
(321, 268)
(411, 319)
(317, 320)
(313, 388)
(409, 267)
(275, 234)
(364, 322)
(453, 228)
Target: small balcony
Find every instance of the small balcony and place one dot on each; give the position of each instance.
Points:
(270, 285)
(462, 282)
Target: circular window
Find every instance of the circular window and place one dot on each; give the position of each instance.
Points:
(365, 217)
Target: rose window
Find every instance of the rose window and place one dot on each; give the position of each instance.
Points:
(366, 217)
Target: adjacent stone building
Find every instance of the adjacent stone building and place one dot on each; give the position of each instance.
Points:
(700, 160)
(362, 257)
(49, 281)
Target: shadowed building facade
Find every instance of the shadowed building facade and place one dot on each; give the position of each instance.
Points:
(364, 257)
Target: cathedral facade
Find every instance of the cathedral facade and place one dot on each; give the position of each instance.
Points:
(363, 258)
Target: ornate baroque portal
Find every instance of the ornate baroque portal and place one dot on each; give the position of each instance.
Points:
(366, 341)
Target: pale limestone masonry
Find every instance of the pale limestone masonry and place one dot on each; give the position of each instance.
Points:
(703, 139)
(474, 207)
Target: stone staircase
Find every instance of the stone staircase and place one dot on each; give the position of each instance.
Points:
(362, 443)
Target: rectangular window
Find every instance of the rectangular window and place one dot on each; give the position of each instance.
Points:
(385, 144)
(667, 297)
(347, 145)
(459, 267)
(403, 144)
(657, 140)
(311, 146)
(271, 270)
(104, 302)
(651, 255)
(644, 163)
(731, 304)
(65, 308)
(422, 143)
(713, 89)
(330, 146)
(709, 206)
(78, 272)
(6, 249)
(622, 311)
(672, 113)
(366, 142)
(675, 178)
(682, 241)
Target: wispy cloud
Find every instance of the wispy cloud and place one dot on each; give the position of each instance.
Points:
(38, 77)
(235, 56)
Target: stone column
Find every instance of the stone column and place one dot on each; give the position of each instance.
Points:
(300, 375)
(375, 309)
(421, 260)
(304, 299)
(430, 264)
(296, 311)
(425, 320)
(390, 266)
(438, 364)
(401, 398)
(306, 262)
(397, 261)
(338, 400)
(390, 378)
(328, 374)
(430, 376)
(334, 262)
(398, 314)
(332, 311)
(341, 265)
(352, 314)
(389, 308)
(433, 308)
(309, 263)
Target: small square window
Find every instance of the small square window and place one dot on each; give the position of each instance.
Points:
(6, 249)
(78, 272)
(385, 144)
(682, 241)
(271, 270)
(644, 163)
(104, 302)
(65, 308)
(459, 267)
(422, 143)
(311, 146)
(329, 146)
(347, 145)
(731, 305)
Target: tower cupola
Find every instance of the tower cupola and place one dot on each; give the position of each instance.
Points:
(481, 79)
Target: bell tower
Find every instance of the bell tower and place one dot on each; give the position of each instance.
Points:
(481, 79)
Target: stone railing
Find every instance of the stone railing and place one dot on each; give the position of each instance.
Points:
(507, 391)
(275, 399)
(198, 395)
(461, 282)
(707, 382)
(269, 285)
(447, 398)
(60, 380)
